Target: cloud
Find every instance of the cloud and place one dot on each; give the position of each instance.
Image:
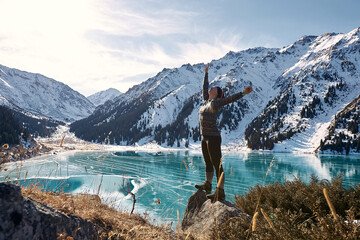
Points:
(137, 18)
(50, 37)
(207, 51)
(92, 45)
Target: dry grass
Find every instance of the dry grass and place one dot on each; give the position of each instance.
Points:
(295, 210)
(110, 223)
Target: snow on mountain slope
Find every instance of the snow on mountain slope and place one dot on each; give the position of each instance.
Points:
(159, 100)
(40, 95)
(343, 132)
(322, 82)
(100, 98)
(297, 91)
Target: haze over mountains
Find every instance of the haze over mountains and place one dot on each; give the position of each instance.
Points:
(306, 97)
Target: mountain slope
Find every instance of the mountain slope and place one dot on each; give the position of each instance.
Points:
(297, 91)
(16, 126)
(100, 98)
(42, 96)
(344, 134)
(10, 129)
(313, 91)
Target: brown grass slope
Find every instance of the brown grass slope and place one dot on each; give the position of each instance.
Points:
(110, 223)
(295, 210)
(290, 210)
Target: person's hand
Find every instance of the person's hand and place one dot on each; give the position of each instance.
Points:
(247, 90)
(206, 68)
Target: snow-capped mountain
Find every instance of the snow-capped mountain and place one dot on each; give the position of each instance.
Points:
(41, 96)
(313, 91)
(100, 98)
(298, 89)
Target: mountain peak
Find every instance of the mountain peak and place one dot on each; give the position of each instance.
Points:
(355, 32)
(37, 94)
(306, 39)
(231, 54)
(101, 97)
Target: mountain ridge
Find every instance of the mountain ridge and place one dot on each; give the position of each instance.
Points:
(99, 98)
(292, 94)
(41, 96)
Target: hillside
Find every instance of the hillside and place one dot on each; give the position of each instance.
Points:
(10, 130)
(343, 135)
(41, 96)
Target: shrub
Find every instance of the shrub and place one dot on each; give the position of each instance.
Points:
(297, 211)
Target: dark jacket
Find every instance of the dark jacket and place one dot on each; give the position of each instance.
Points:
(209, 110)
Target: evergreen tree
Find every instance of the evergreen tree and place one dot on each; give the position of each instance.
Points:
(10, 130)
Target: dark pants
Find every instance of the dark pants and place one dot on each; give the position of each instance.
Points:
(211, 150)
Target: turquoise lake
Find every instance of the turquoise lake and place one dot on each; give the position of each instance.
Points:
(163, 181)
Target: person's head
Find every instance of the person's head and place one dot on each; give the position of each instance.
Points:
(216, 92)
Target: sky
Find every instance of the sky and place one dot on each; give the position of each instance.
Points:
(92, 45)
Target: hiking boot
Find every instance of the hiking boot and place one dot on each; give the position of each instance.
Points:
(218, 195)
(206, 186)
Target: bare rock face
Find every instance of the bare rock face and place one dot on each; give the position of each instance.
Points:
(201, 215)
(22, 218)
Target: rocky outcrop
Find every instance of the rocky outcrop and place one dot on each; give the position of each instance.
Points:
(201, 216)
(22, 218)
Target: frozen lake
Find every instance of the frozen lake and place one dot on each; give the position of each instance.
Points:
(163, 181)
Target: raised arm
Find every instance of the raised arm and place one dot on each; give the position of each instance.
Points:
(219, 102)
(206, 83)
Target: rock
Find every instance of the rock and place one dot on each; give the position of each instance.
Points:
(201, 216)
(22, 218)
(193, 207)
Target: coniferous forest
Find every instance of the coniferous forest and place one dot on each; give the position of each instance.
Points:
(10, 130)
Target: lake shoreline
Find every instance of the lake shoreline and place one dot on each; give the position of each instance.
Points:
(65, 141)
(49, 149)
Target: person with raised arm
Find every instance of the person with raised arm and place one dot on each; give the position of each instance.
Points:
(214, 100)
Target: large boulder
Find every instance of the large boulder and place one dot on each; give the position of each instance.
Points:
(22, 218)
(201, 216)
